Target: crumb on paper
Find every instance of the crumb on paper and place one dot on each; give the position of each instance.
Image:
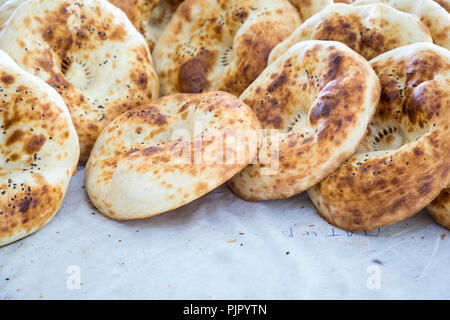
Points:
(378, 262)
(357, 243)
(231, 241)
(443, 236)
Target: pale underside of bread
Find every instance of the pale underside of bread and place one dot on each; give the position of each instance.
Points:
(39, 152)
(90, 53)
(440, 208)
(370, 29)
(136, 169)
(150, 17)
(220, 44)
(320, 95)
(433, 16)
(402, 165)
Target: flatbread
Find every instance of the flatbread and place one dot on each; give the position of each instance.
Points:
(319, 97)
(168, 153)
(440, 208)
(38, 155)
(150, 17)
(435, 17)
(308, 8)
(370, 29)
(402, 164)
(7, 8)
(220, 44)
(89, 51)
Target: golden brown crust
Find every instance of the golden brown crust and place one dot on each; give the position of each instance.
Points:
(90, 53)
(402, 165)
(220, 45)
(321, 96)
(440, 208)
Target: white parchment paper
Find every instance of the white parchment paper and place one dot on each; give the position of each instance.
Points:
(220, 247)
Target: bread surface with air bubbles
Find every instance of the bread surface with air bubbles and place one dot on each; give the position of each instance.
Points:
(402, 164)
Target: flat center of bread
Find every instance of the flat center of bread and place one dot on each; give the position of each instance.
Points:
(76, 72)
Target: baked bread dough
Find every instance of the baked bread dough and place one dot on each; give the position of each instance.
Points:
(402, 164)
(370, 29)
(220, 44)
(321, 95)
(440, 208)
(38, 154)
(90, 53)
(150, 17)
(168, 153)
(432, 15)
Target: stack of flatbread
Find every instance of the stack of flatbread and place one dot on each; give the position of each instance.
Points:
(165, 100)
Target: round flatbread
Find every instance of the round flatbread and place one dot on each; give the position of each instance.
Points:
(220, 44)
(89, 52)
(150, 17)
(402, 164)
(320, 97)
(435, 17)
(7, 8)
(166, 154)
(370, 29)
(38, 155)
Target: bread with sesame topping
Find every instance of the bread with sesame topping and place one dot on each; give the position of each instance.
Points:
(403, 162)
(168, 153)
(38, 155)
(370, 29)
(90, 52)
